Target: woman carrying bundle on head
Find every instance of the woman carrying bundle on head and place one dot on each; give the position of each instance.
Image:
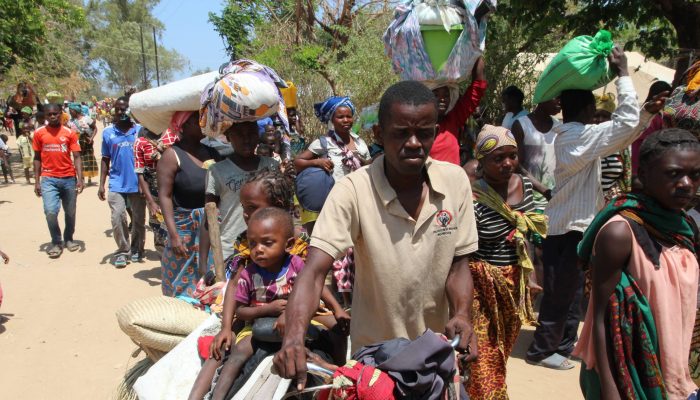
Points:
(506, 219)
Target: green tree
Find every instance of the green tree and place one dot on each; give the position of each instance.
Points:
(665, 28)
(325, 47)
(114, 43)
(61, 59)
(25, 24)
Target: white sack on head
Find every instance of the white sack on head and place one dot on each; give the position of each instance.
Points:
(154, 108)
(245, 91)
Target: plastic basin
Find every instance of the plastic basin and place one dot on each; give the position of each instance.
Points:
(439, 43)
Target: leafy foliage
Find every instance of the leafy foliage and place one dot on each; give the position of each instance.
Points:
(25, 25)
(114, 43)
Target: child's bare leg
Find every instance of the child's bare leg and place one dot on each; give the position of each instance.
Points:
(232, 367)
(202, 384)
(339, 342)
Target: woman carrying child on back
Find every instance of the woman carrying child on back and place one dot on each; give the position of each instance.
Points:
(505, 219)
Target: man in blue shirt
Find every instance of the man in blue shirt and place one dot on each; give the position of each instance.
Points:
(118, 160)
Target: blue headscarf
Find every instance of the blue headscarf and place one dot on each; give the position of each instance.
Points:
(325, 110)
(75, 107)
(263, 123)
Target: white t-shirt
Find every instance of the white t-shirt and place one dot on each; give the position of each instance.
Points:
(510, 118)
(540, 157)
(225, 179)
(335, 154)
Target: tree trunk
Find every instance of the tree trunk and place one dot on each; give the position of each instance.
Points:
(684, 16)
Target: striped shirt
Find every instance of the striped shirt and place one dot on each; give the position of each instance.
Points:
(493, 230)
(578, 194)
(611, 170)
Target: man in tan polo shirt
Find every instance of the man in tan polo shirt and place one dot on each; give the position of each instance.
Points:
(411, 222)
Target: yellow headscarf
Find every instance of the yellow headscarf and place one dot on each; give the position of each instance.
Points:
(605, 102)
(492, 137)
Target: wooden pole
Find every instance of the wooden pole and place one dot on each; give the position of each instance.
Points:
(143, 57)
(155, 46)
(215, 240)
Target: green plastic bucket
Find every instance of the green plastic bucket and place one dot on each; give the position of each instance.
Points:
(439, 43)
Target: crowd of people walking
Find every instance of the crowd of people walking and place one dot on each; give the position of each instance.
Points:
(405, 234)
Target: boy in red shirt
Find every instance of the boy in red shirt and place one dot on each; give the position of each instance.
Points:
(453, 113)
(58, 180)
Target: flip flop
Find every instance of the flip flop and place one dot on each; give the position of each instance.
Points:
(555, 361)
(72, 246)
(55, 251)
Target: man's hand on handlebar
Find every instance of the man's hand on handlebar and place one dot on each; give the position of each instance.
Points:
(290, 361)
(461, 325)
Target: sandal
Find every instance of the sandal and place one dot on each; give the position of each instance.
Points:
(120, 261)
(55, 251)
(72, 246)
(555, 361)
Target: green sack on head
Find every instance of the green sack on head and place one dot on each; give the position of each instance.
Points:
(581, 64)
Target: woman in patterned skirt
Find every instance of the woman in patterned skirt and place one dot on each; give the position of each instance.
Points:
(506, 218)
(87, 129)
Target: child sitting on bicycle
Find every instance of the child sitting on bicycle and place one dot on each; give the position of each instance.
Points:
(263, 286)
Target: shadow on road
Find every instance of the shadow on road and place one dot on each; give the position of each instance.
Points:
(4, 318)
(46, 246)
(150, 276)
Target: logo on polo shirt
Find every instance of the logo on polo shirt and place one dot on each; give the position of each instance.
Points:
(443, 218)
(444, 222)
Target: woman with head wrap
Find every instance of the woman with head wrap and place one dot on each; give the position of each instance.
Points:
(505, 220)
(339, 152)
(454, 111)
(86, 129)
(148, 148)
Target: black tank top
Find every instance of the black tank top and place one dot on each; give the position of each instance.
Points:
(190, 180)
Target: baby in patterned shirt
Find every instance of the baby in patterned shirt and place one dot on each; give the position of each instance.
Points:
(263, 286)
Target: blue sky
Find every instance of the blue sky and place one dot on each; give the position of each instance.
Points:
(187, 30)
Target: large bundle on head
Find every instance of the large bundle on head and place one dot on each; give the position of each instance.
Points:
(437, 39)
(581, 64)
(154, 108)
(244, 91)
(682, 109)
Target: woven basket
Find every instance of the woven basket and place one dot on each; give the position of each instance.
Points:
(158, 324)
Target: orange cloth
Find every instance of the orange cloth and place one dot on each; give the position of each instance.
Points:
(694, 77)
(672, 294)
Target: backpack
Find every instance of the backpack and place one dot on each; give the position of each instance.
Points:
(313, 184)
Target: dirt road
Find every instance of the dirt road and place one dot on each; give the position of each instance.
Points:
(59, 338)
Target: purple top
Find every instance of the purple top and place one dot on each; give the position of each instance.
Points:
(256, 286)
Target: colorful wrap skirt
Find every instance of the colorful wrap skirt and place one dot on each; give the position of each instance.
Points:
(181, 274)
(87, 157)
(497, 317)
